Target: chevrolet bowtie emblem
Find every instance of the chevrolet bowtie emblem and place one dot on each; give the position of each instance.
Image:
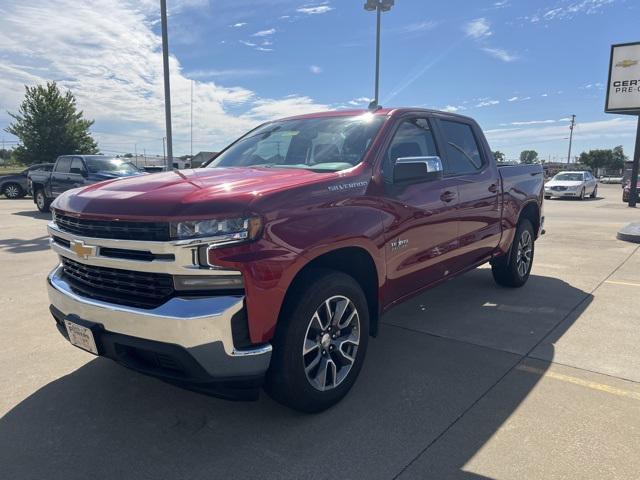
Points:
(626, 63)
(81, 250)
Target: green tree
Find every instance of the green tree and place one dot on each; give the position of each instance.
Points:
(618, 159)
(499, 156)
(596, 159)
(5, 154)
(49, 124)
(528, 156)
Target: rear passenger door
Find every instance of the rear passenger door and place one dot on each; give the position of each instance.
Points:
(60, 176)
(467, 160)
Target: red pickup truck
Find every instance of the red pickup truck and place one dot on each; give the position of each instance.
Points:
(274, 265)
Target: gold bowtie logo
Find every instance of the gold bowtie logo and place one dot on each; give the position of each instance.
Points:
(81, 250)
(626, 63)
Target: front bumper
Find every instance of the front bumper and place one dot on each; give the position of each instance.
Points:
(561, 193)
(195, 332)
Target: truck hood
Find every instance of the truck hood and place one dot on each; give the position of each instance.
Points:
(196, 193)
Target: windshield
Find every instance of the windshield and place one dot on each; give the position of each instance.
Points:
(320, 144)
(570, 177)
(109, 165)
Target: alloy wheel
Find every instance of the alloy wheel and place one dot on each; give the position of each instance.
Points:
(525, 251)
(12, 191)
(40, 199)
(331, 343)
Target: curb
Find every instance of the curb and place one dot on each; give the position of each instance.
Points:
(630, 233)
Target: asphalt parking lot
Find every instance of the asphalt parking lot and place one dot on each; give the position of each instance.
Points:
(468, 380)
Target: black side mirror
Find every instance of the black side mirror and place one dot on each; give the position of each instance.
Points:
(417, 169)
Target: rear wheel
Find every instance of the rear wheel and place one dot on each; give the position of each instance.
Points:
(513, 269)
(320, 343)
(42, 202)
(13, 191)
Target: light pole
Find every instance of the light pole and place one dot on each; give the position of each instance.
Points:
(167, 88)
(573, 124)
(378, 6)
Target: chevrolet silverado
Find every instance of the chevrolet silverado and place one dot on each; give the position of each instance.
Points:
(273, 266)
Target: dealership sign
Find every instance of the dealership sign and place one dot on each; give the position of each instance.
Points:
(623, 89)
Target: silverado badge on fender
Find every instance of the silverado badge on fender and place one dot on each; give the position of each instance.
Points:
(81, 250)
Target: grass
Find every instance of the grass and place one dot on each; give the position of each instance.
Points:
(10, 170)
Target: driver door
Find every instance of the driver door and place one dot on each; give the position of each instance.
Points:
(422, 234)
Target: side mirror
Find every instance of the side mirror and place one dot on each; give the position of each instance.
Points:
(417, 169)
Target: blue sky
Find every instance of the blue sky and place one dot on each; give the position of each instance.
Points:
(520, 68)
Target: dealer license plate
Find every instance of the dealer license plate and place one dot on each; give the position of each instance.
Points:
(81, 337)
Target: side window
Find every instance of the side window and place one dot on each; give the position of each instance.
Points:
(77, 166)
(413, 138)
(63, 165)
(463, 154)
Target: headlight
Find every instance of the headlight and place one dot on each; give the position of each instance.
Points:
(229, 230)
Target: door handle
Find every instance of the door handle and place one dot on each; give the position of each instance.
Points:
(493, 188)
(447, 196)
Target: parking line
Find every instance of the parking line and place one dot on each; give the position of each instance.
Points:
(578, 381)
(622, 283)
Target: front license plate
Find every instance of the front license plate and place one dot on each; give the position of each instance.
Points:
(81, 337)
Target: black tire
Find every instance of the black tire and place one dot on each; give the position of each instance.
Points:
(13, 191)
(594, 194)
(42, 202)
(547, 197)
(582, 194)
(507, 270)
(287, 381)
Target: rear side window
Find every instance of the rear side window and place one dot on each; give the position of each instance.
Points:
(63, 165)
(413, 138)
(463, 153)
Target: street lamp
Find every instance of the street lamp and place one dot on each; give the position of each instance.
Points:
(378, 6)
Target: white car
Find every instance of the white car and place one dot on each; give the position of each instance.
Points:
(572, 184)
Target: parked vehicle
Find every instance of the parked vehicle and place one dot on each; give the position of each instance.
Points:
(73, 171)
(16, 186)
(626, 192)
(609, 179)
(572, 184)
(276, 262)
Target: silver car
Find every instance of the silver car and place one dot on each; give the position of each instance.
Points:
(572, 185)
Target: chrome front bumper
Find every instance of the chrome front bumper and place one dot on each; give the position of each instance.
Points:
(199, 325)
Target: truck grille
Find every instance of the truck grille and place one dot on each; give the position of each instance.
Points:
(120, 230)
(123, 287)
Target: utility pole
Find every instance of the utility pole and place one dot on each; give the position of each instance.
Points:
(164, 153)
(135, 152)
(573, 124)
(167, 86)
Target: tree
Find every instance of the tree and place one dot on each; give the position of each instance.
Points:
(618, 159)
(528, 156)
(596, 159)
(498, 155)
(128, 155)
(5, 154)
(48, 124)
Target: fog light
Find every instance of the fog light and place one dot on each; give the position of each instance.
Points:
(208, 282)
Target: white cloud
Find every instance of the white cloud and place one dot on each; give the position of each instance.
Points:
(115, 72)
(512, 99)
(227, 73)
(478, 28)
(239, 24)
(453, 108)
(565, 10)
(360, 101)
(614, 128)
(544, 95)
(264, 33)
(248, 44)
(487, 103)
(533, 122)
(315, 69)
(500, 54)
(317, 10)
(418, 27)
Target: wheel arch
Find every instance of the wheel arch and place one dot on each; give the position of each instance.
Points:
(355, 261)
(531, 212)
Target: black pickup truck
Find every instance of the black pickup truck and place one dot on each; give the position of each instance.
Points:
(72, 171)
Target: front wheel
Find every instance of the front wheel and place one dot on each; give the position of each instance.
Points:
(320, 342)
(42, 202)
(582, 194)
(594, 194)
(513, 269)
